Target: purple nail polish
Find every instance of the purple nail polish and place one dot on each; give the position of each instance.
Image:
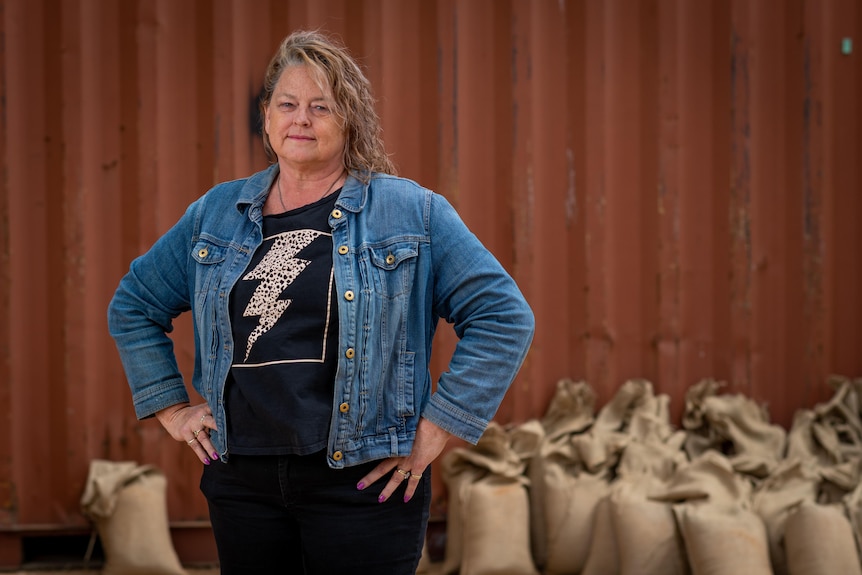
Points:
(215, 455)
(406, 499)
(381, 499)
(360, 486)
(206, 461)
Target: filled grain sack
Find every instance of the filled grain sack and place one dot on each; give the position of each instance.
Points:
(710, 477)
(819, 540)
(488, 516)
(571, 409)
(723, 539)
(599, 451)
(633, 410)
(571, 502)
(653, 458)
(734, 425)
(757, 445)
(693, 416)
(603, 556)
(831, 432)
(801, 441)
(645, 532)
(127, 503)
(570, 412)
(615, 545)
(633, 396)
(497, 528)
(794, 481)
(459, 478)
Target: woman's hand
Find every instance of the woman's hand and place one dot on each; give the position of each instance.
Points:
(429, 443)
(191, 424)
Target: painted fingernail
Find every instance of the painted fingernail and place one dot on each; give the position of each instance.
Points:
(360, 486)
(215, 455)
(206, 461)
(406, 499)
(381, 499)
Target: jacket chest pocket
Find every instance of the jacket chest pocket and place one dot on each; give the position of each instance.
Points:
(392, 267)
(208, 258)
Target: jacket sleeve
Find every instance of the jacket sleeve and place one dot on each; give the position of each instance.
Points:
(140, 317)
(491, 318)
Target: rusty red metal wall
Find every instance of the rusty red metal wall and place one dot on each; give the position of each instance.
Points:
(674, 184)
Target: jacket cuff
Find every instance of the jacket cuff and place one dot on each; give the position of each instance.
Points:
(149, 402)
(454, 419)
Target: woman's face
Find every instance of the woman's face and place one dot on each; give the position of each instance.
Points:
(303, 129)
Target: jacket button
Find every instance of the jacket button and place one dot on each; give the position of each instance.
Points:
(203, 252)
(390, 259)
(342, 250)
(348, 295)
(349, 353)
(337, 456)
(344, 408)
(336, 214)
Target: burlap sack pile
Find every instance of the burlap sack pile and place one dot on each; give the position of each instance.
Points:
(821, 530)
(633, 533)
(621, 492)
(127, 504)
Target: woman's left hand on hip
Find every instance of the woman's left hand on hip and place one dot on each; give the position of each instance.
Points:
(429, 443)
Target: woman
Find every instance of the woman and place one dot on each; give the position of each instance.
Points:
(316, 286)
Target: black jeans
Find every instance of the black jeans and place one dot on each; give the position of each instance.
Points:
(295, 515)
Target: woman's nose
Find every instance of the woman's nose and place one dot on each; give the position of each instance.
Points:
(301, 118)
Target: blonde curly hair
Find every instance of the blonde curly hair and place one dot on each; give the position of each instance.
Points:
(338, 73)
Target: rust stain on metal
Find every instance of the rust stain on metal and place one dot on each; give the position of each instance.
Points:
(7, 497)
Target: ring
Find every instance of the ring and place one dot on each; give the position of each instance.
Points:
(192, 440)
(197, 432)
(402, 472)
(204, 416)
(416, 475)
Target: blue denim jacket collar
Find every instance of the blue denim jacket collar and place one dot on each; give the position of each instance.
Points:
(255, 190)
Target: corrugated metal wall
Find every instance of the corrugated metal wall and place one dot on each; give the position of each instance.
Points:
(674, 184)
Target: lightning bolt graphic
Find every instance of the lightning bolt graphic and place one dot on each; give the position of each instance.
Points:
(277, 270)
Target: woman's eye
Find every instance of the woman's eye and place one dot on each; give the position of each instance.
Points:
(320, 110)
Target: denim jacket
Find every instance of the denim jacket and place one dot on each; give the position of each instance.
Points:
(402, 259)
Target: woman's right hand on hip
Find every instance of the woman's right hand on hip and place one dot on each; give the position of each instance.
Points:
(191, 424)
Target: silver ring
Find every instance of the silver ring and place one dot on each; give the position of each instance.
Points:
(402, 472)
(192, 440)
(204, 416)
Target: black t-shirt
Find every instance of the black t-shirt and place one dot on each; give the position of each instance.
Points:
(284, 317)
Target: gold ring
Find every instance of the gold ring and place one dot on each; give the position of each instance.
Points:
(402, 472)
(204, 416)
(192, 440)
(416, 475)
(197, 432)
